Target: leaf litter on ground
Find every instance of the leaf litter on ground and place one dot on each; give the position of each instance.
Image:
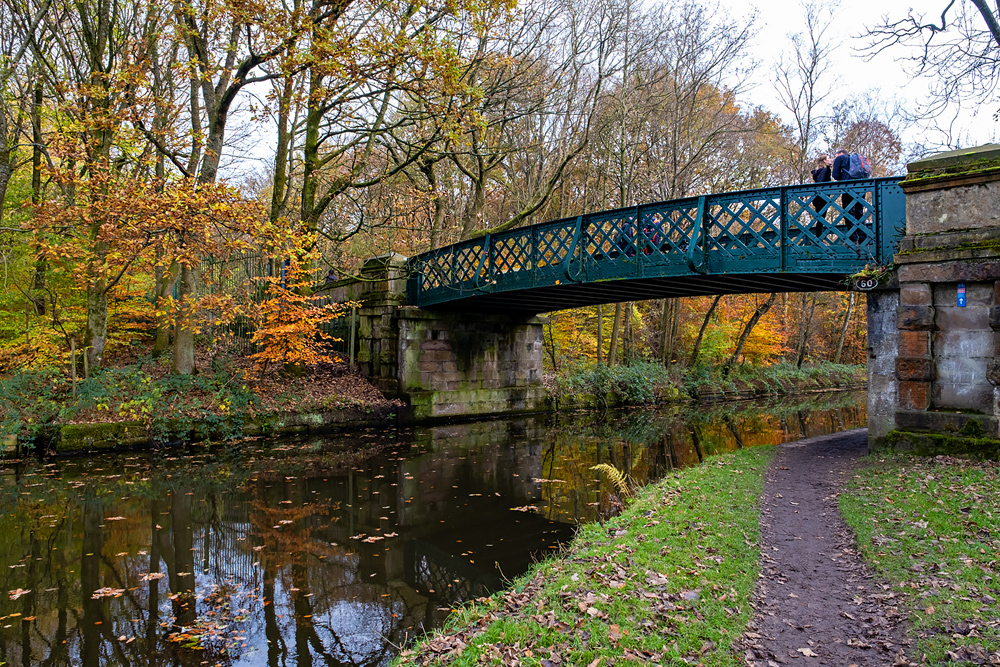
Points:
(931, 527)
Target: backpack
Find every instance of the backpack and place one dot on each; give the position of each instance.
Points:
(860, 167)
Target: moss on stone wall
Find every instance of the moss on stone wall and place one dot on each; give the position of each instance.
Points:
(963, 444)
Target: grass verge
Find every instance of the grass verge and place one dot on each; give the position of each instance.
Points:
(931, 527)
(669, 581)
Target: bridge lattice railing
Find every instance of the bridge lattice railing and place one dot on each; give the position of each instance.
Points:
(834, 227)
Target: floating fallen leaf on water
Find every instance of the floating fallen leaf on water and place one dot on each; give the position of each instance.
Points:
(121, 553)
(18, 592)
(807, 652)
(357, 537)
(525, 508)
(285, 522)
(107, 592)
(257, 548)
(373, 538)
(152, 576)
(115, 518)
(540, 480)
(391, 534)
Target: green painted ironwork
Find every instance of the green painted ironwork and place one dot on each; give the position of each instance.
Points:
(831, 229)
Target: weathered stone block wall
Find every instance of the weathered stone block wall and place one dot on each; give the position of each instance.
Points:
(883, 350)
(947, 353)
(962, 346)
(454, 363)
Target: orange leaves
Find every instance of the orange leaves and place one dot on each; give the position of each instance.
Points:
(289, 318)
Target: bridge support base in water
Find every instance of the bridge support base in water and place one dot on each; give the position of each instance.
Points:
(946, 384)
(443, 364)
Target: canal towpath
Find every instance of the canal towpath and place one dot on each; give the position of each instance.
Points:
(816, 601)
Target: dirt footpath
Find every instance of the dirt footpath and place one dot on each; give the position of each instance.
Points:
(816, 603)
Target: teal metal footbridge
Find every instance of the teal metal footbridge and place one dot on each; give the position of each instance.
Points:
(801, 238)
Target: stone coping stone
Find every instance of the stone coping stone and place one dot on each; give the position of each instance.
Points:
(954, 158)
(952, 169)
(79, 438)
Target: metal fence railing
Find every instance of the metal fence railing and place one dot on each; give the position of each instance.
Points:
(241, 280)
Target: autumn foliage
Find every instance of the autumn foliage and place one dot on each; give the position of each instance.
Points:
(288, 319)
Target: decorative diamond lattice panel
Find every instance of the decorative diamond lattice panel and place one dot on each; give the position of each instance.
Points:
(512, 253)
(744, 228)
(554, 245)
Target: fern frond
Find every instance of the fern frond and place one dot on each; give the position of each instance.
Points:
(617, 477)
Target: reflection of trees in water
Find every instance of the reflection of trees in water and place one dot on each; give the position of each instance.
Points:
(271, 537)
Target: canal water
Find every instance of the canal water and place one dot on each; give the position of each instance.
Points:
(333, 551)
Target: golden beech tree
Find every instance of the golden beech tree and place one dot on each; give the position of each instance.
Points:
(117, 224)
(289, 318)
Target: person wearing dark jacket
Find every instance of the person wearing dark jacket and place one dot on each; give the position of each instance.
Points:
(821, 174)
(842, 172)
(842, 166)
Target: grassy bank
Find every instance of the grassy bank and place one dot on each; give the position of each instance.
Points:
(931, 527)
(669, 580)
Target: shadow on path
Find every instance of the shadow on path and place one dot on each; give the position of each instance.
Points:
(816, 602)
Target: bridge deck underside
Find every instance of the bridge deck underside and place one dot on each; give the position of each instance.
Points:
(574, 295)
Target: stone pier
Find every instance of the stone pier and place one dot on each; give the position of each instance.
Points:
(947, 321)
(444, 364)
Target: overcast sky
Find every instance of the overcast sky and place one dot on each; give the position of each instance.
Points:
(777, 19)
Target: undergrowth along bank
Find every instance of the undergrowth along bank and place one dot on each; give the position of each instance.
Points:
(648, 382)
(668, 581)
(931, 527)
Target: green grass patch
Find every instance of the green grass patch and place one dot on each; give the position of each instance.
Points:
(931, 527)
(669, 580)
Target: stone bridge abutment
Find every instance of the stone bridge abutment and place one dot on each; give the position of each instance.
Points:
(934, 333)
(444, 363)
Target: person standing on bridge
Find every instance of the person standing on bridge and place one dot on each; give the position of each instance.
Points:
(821, 174)
(842, 172)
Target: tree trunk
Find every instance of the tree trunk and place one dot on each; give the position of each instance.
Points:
(97, 322)
(600, 334)
(437, 224)
(165, 281)
(627, 334)
(843, 330)
(675, 327)
(748, 329)
(279, 186)
(664, 331)
(701, 331)
(183, 333)
(615, 330)
(805, 334)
